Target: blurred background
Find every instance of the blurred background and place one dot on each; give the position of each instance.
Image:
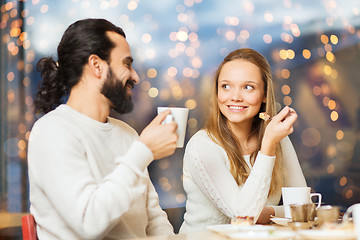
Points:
(313, 48)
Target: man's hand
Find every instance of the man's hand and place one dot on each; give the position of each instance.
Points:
(160, 138)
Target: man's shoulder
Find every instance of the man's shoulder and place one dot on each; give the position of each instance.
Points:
(119, 124)
(51, 126)
(54, 117)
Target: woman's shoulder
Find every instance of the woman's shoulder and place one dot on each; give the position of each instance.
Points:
(200, 135)
(202, 138)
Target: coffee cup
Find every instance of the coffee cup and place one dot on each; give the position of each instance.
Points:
(355, 211)
(327, 213)
(180, 116)
(297, 195)
(303, 212)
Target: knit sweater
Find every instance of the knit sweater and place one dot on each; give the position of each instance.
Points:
(89, 180)
(214, 197)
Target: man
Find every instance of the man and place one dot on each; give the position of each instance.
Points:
(88, 171)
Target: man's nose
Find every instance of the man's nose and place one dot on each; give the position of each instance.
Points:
(135, 76)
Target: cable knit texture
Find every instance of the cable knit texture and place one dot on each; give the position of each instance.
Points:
(89, 180)
(213, 196)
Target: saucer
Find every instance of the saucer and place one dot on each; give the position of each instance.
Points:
(281, 221)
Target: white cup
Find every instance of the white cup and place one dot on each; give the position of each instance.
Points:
(355, 210)
(297, 195)
(180, 116)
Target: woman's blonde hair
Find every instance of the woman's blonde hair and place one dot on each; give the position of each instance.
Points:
(219, 131)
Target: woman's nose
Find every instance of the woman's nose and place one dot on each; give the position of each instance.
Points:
(236, 95)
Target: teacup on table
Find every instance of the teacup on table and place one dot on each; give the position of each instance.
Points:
(354, 210)
(297, 195)
(303, 212)
(328, 214)
(302, 215)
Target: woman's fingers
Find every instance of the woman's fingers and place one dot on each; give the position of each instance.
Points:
(282, 114)
(291, 117)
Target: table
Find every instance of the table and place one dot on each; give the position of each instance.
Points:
(9, 219)
(205, 235)
(10, 225)
(209, 235)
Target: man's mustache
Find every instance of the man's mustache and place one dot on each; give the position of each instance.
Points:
(130, 82)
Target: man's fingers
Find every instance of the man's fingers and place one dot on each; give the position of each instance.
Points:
(174, 124)
(160, 117)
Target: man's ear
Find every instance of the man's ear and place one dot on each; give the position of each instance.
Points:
(95, 64)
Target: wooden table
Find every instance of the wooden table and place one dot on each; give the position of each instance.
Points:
(209, 235)
(9, 219)
(205, 235)
(10, 225)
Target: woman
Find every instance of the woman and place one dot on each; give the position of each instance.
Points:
(236, 165)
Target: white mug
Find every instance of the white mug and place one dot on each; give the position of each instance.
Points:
(355, 210)
(297, 195)
(180, 116)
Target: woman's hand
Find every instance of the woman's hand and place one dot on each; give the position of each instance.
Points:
(265, 215)
(280, 126)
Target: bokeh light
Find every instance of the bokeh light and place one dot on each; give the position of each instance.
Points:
(177, 47)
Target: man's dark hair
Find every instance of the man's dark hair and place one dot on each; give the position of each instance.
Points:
(80, 40)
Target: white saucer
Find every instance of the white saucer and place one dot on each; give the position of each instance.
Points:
(281, 221)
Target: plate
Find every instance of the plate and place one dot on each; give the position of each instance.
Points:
(281, 221)
(229, 228)
(327, 235)
(277, 235)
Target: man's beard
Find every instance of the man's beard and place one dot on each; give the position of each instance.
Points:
(116, 92)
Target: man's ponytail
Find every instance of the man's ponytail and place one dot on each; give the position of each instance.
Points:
(52, 89)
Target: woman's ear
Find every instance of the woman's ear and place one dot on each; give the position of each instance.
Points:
(95, 65)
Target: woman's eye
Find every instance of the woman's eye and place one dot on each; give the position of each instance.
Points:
(248, 87)
(225, 86)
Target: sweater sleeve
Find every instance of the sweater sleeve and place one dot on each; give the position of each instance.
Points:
(157, 218)
(206, 165)
(90, 207)
(294, 174)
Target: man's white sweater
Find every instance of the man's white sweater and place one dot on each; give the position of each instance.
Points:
(89, 180)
